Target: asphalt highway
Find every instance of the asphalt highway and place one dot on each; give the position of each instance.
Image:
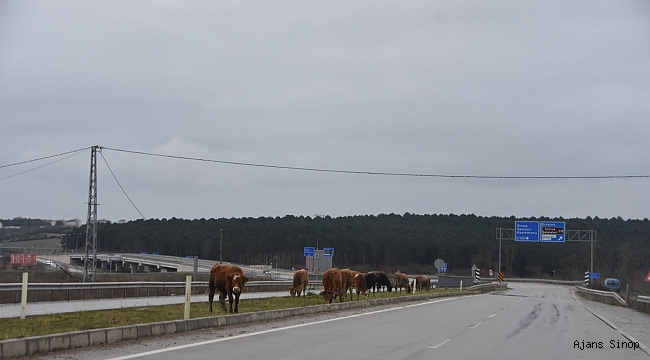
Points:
(530, 321)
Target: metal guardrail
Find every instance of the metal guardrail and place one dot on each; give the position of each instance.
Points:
(546, 281)
(604, 294)
(109, 288)
(643, 299)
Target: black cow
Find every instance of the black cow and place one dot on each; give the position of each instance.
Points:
(371, 281)
(382, 280)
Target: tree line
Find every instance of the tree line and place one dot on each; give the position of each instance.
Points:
(388, 242)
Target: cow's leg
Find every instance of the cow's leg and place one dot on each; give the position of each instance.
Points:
(230, 300)
(222, 300)
(211, 296)
(236, 303)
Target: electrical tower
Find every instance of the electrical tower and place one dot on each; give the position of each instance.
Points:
(90, 260)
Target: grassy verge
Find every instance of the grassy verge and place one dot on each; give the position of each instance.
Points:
(85, 320)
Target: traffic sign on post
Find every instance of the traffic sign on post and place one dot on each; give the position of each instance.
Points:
(594, 275)
(527, 231)
(328, 252)
(438, 263)
(309, 251)
(552, 231)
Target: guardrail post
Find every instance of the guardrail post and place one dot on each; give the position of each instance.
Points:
(23, 299)
(188, 294)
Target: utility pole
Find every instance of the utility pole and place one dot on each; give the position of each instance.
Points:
(90, 264)
(220, 245)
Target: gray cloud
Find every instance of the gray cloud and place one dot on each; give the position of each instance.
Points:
(461, 88)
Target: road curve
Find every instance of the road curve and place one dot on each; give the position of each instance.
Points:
(529, 321)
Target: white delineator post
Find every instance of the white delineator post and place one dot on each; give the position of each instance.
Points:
(188, 294)
(461, 285)
(23, 299)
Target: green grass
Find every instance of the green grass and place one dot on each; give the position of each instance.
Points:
(86, 320)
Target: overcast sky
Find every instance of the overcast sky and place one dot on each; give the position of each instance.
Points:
(481, 88)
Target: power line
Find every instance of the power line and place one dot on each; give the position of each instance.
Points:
(377, 173)
(120, 185)
(42, 166)
(46, 157)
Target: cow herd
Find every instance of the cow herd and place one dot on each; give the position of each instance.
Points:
(230, 281)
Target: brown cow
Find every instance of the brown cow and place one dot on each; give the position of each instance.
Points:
(423, 282)
(331, 284)
(300, 282)
(401, 281)
(229, 280)
(347, 282)
(360, 284)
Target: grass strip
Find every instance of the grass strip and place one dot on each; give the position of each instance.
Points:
(15, 328)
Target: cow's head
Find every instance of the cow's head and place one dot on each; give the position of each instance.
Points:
(292, 292)
(237, 281)
(329, 296)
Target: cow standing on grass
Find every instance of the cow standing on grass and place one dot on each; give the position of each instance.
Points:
(347, 282)
(401, 281)
(229, 280)
(360, 284)
(382, 280)
(300, 283)
(332, 282)
(371, 281)
(423, 282)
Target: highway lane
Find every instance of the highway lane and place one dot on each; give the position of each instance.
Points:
(530, 321)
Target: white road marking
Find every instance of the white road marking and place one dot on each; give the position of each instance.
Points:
(475, 326)
(444, 341)
(644, 348)
(173, 348)
(493, 315)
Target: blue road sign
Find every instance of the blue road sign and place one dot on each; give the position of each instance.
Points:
(552, 231)
(309, 251)
(443, 269)
(594, 275)
(527, 231)
(328, 252)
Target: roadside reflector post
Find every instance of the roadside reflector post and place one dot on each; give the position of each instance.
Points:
(23, 299)
(414, 283)
(461, 285)
(188, 294)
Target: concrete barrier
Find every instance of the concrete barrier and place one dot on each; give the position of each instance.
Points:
(41, 344)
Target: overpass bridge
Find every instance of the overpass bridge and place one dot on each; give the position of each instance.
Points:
(152, 263)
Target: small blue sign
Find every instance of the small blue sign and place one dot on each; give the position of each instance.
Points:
(527, 231)
(443, 269)
(309, 251)
(552, 231)
(594, 275)
(328, 252)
